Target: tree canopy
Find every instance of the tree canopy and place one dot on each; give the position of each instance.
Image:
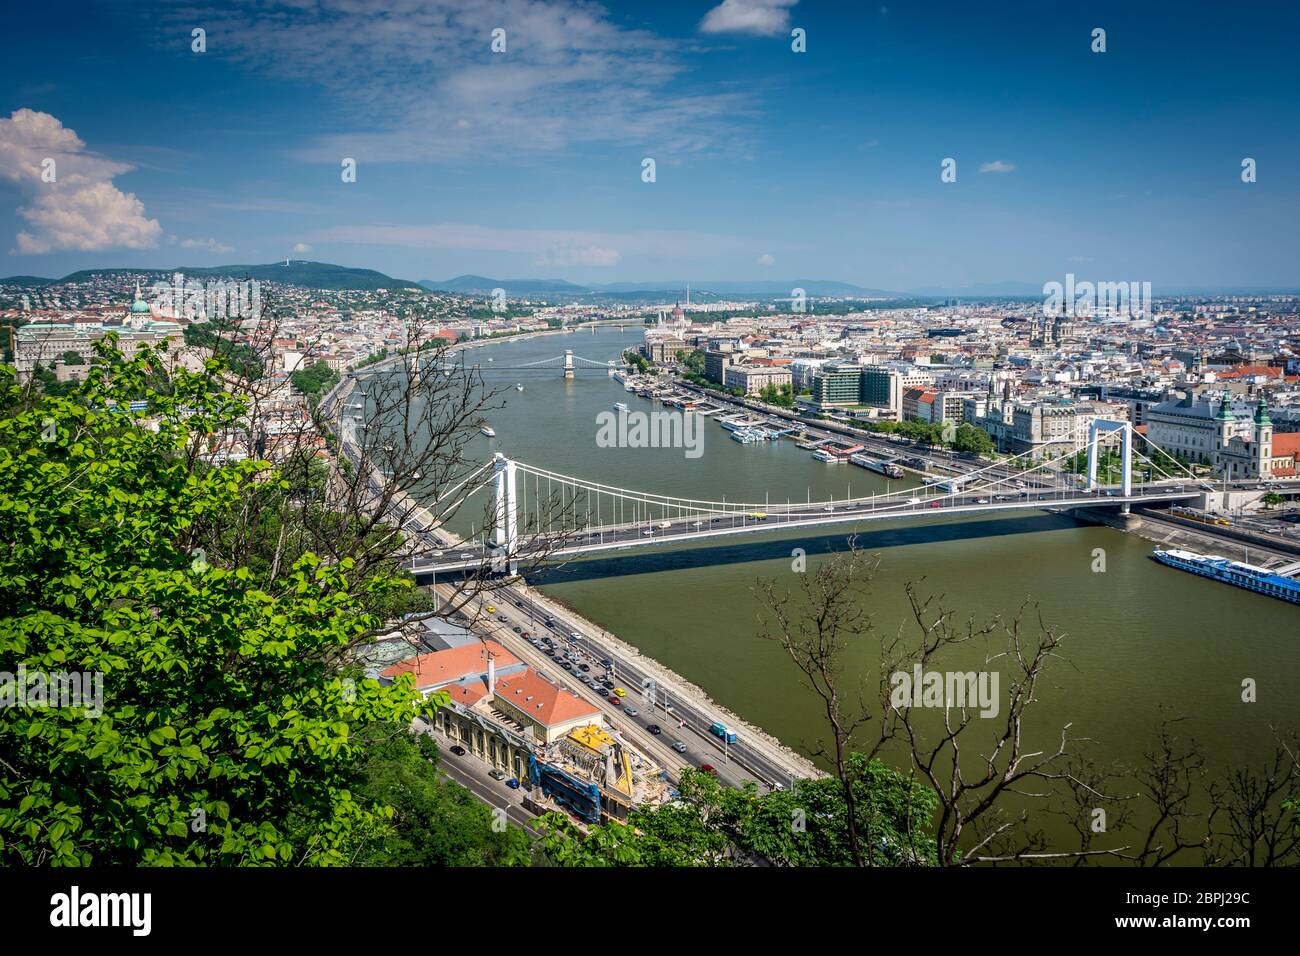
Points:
(223, 734)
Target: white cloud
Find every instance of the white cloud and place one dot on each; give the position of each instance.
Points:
(208, 245)
(761, 17)
(998, 166)
(766, 260)
(415, 80)
(81, 209)
(301, 247)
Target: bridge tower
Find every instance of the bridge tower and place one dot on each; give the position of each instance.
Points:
(1095, 429)
(507, 527)
(568, 363)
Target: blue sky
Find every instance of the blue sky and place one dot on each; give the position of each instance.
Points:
(1123, 165)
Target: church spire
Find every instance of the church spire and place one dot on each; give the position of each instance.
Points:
(1261, 413)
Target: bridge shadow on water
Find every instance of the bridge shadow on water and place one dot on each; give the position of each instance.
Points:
(870, 540)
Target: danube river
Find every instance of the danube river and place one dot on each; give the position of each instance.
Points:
(1143, 640)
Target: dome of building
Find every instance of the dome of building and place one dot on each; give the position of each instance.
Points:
(140, 306)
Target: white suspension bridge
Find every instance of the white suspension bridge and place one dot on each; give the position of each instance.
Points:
(544, 515)
(566, 364)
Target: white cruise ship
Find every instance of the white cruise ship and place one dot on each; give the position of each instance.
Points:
(1278, 584)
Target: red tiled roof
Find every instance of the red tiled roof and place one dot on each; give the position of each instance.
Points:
(467, 694)
(540, 699)
(1287, 443)
(443, 667)
(1237, 371)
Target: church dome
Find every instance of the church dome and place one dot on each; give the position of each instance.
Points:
(140, 306)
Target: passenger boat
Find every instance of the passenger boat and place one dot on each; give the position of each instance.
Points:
(821, 454)
(886, 468)
(1238, 573)
(488, 431)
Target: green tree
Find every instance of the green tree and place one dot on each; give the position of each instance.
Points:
(224, 735)
(693, 360)
(435, 822)
(777, 395)
(971, 440)
(314, 379)
(713, 825)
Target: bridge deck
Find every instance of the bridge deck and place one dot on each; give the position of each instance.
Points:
(627, 537)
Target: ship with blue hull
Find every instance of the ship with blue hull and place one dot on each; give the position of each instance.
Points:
(1277, 583)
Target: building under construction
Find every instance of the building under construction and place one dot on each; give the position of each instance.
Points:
(596, 776)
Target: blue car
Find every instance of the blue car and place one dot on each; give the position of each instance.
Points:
(513, 783)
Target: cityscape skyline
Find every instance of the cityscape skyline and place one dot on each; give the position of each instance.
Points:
(1122, 165)
(451, 437)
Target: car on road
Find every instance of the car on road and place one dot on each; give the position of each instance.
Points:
(496, 774)
(615, 700)
(655, 729)
(567, 666)
(491, 609)
(620, 692)
(512, 783)
(679, 746)
(458, 750)
(829, 508)
(584, 667)
(631, 711)
(934, 504)
(466, 555)
(502, 618)
(648, 532)
(708, 768)
(981, 501)
(550, 652)
(519, 630)
(519, 604)
(607, 663)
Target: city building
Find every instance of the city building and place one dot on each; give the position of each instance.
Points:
(752, 379)
(716, 362)
(1233, 436)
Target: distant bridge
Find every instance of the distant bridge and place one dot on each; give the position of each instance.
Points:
(567, 365)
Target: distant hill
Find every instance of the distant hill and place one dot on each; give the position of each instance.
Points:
(985, 290)
(513, 287)
(30, 281)
(299, 272)
(759, 287)
(766, 288)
